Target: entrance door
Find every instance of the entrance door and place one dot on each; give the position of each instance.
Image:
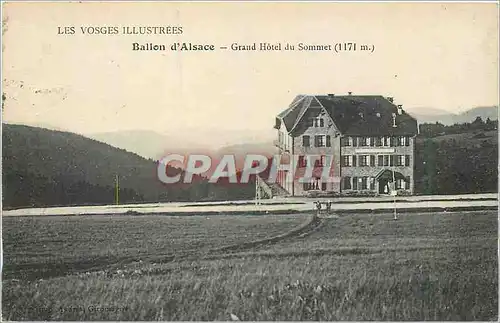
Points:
(383, 186)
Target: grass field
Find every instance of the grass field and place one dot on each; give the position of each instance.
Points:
(424, 266)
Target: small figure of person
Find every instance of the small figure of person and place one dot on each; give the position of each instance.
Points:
(318, 206)
(328, 206)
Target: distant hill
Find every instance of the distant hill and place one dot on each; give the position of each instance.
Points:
(151, 144)
(145, 143)
(43, 167)
(472, 114)
(457, 163)
(431, 115)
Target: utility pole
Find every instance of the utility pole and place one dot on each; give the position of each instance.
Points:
(257, 190)
(117, 190)
(394, 192)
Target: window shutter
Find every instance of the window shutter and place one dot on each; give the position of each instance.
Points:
(328, 141)
(407, 160)
(354, 141)
(305, 141)
(372, 141)
(407, 141)
(354, 183)
(354, 160)
(407, 182)
(372, 160)
(391, 160)
(372, 183)
(392, 141)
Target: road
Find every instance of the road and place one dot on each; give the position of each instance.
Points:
(274, 205)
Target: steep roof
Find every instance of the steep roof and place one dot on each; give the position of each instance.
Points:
(353, 114)
(293, 113)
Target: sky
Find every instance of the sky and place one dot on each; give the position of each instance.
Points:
(427, 55)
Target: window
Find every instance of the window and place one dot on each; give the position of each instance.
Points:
(313, 185)
(372, 141)
(407, 182)
(345, 141)
(364, 183)
(354, 161)
(372, 183)
(346, 161)
(323, 186)
(306, 141)
(372, 160)
(363, 141)
(354, 183)
(391, 160)
(320, 162)
(380, 160)
(407, 160)
(403, 141)
(302, 161)
(400, 183)
(319, 141)
(328, 141)
(378, 141)
(363, 160)
(400, 160)
(316, 122)
(354, 141)
(386, 160)
(346, 183)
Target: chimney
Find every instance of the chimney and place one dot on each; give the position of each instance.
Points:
(400, 109)
(350, 93)
(391, 99)
(394, 125)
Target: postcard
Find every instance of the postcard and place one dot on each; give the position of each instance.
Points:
(240, 161)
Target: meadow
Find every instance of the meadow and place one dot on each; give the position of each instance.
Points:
(424, 266)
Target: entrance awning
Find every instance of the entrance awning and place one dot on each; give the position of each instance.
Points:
(387, 174)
